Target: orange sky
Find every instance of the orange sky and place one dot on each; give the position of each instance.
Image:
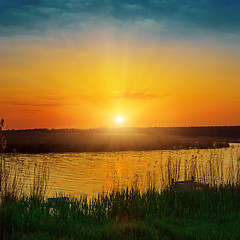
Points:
(71, 79)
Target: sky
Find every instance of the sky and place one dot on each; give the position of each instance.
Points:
(85, 63)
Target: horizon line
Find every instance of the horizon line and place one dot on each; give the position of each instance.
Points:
(114, 128)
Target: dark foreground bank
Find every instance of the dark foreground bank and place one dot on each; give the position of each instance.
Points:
(208, 214)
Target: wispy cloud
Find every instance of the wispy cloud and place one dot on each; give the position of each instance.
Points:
(135, 95)
(30, 16)
(29, 104)
(47, 99)
(36, 98)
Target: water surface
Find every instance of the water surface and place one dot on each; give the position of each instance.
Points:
(91, 173)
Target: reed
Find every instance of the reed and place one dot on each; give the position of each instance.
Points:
(155, 212)
(210, 169)
(130, 213)
(213, 167)
(134, 213)
(15, 175)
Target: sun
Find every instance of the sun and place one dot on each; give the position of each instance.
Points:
(119, 120)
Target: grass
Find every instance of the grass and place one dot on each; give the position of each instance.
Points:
(15, 172)
(129, 214)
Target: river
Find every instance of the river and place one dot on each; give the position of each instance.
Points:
(91, 173)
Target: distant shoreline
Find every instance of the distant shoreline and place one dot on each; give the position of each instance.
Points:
(119, 139)
(45, 150)
(101, 129)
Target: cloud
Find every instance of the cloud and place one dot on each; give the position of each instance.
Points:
(133, 7)
(25, 104)
(36, 98)
(31, 16)
(135, 95)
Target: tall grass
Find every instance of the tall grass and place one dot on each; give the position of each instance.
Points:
(155, 212)
(15, 175)
(131, 213)
(212, 169)
(124, 212)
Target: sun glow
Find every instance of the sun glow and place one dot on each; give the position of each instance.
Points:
(119, 120)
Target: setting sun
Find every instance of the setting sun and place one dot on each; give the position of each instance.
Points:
(119, 120)
(117, 117)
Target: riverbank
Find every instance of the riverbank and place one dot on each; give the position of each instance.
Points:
(129, 214)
